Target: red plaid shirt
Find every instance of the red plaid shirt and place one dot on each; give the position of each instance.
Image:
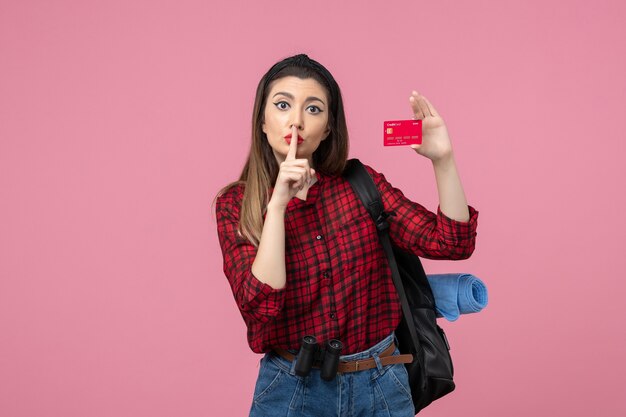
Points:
(339, 283)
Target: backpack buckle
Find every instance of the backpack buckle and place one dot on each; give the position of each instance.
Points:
(381, 222)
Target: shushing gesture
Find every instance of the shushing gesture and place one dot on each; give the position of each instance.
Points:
(435, 140)
(293, 176)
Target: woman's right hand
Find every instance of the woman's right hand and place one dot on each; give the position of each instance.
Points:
(293, 176)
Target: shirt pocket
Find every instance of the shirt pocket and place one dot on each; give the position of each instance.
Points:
(358, 243)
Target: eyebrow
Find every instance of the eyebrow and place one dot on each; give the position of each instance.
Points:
(288, 95)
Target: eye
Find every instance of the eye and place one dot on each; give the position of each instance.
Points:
(282, 105)
(314, 109)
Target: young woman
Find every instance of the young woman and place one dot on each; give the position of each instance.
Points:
(302, 255)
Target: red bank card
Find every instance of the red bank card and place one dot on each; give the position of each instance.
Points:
(402, 132)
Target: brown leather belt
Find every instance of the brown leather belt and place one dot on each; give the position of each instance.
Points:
(386, 358)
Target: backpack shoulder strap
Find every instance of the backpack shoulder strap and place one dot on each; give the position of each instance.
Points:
(364, 187)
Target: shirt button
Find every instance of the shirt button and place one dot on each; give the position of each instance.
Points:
(326, 274)
(319, 237)
(333, 315)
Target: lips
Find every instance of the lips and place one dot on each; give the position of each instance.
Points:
(288, 139)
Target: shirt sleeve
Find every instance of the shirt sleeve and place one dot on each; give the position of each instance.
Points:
(257, 301)
(430, 235)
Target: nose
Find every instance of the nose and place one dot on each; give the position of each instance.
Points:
(297, 120)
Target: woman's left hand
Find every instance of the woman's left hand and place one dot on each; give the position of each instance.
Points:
(435, 140)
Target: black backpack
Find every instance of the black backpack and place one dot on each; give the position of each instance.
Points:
(431, 372)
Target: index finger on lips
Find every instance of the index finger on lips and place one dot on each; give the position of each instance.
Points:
(293, 145)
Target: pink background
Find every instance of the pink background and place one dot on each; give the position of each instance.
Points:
(120, 120)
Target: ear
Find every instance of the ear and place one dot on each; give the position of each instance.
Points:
(326, 132)
(263, 125)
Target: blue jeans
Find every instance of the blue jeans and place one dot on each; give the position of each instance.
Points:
(380, 391)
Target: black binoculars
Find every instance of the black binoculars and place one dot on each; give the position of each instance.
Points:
(310, 352)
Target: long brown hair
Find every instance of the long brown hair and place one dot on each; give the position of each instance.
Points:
(261, 169)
